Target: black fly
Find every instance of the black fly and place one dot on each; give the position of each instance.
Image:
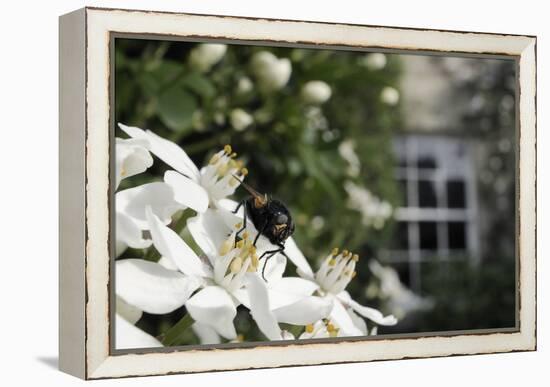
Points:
(271, 218)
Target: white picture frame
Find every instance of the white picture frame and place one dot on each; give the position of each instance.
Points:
(86, 126)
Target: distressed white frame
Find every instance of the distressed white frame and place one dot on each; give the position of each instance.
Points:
(84, 186)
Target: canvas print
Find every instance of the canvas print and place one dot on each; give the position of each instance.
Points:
(266, 194)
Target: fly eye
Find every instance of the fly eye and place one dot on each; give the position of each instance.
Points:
(281, 219)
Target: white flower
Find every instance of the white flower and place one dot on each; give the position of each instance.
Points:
(127, 335)
(400, 300)
(374, 211)
(222, 276)
(206, 55)
(240, 120)
(132, 158)
(245, 85)
(271, 72)
(374, 61)
(130, 216)
(333, 276)
(193, 188)
(316, 92)
(346, 149)
(389, 96)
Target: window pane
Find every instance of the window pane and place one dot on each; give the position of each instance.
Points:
(456, 194)
(428, 235)
(403, 192)
(426, 161)
(457, 235)
(426, 194)
(401, 236)
(403, 270)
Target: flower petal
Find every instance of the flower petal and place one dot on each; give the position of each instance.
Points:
(170, 245)
(274, 268)
(159, 196)
(214, 307)
(129, 336)
(131, 158)
(365, 311)
(151, 287)
(129, 312)
(260, 308)
(297, 257)
(343, 320)
(186, 191)
(206, 334)
(358, 321)
(208, 231)
(165, 150)
(294, 285)
(129, 234)
(305, 311)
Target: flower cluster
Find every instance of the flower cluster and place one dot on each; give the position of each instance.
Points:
(219, 271)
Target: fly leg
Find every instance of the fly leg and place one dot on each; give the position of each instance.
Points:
(238, 233)
(268, 254)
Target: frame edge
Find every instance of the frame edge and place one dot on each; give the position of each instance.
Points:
(72, 182)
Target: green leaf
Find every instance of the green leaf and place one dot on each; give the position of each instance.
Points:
(176, 107)
(315, 170)
(199, 85)
(174, 334)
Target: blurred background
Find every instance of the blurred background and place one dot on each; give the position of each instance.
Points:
(408, 160)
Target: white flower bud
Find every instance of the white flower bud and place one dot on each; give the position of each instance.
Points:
(375, 61)
(245, 85)
(272, 73)
(204, 56)
(316, 92)
(240, 119)
(389, 96)
(132, 157)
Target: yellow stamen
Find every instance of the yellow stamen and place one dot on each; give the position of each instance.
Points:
(222, 170)
(353, 274)
(240, 244)
(255, 259)
(233, 155)
(335, 251)
(330, 327)
(123, 172)
(233, 182)
(332, 262)
(227, 149)
(226, 246)
(309, 328)
(355, 257)
(214, 159)
(244, 171)
(344, 253)
(236, 265)
(240, 338)
(238, 225)
(245, 235)
(333, 333)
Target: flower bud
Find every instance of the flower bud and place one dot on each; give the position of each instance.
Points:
(316, 92)
(204, 56)
(240, 119)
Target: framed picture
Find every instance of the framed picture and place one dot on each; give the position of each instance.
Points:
(241, 193)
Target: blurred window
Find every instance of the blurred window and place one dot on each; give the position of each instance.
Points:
(437, 216)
